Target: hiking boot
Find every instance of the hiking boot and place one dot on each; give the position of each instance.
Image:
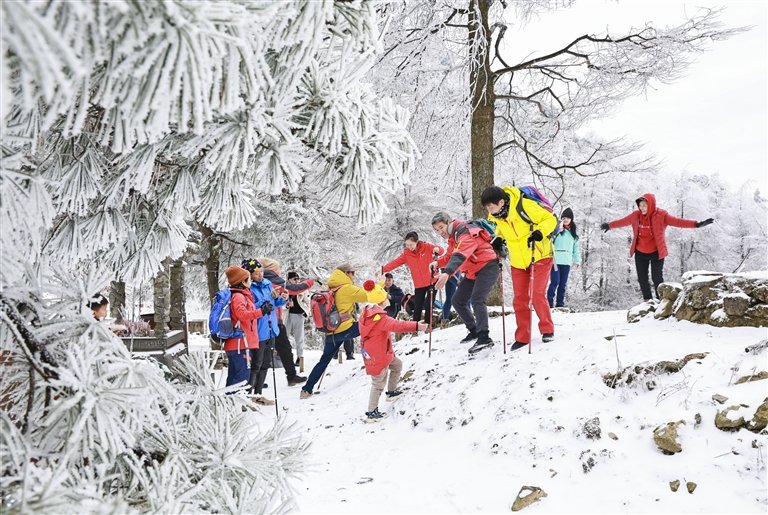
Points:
(298, 362)
(483, 341)
(374, 415)
(547, 337)
(518, 345)
(350, 356)
(305, 394)
(393, 394)
(471, 335)
(297, 379)
(260, 399)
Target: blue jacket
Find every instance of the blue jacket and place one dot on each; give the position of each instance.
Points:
(567, 250)
(262, 291)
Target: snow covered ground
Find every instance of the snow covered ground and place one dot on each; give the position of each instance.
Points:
(468, 434)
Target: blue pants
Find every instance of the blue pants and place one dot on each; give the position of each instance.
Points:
(332, 344)
(237, 366)
(450, 289)
(558, 281)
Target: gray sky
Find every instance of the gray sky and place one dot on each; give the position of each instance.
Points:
(712, 120)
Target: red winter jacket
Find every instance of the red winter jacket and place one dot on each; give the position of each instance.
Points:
(244, 311)
(417, 261)
(376, 328)
(659, 220)
(468, 250)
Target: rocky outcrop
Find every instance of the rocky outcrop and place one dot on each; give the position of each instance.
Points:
(722, 300)
(668, 293)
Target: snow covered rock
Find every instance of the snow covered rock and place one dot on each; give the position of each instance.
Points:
(666, 437)
(724, 300)
(641, 310)
(729, 418)
(527, 496)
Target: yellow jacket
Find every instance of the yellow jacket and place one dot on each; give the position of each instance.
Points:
(516, 231)
(346, 297)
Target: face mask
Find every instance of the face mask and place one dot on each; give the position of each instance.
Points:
(503, 212)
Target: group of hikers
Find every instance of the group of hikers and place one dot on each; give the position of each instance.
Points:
(541, 251)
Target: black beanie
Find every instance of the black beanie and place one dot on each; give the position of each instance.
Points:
(567, 213)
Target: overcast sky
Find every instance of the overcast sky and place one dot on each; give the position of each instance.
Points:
(712, 120)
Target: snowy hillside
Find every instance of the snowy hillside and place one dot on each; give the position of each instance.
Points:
(468, 434)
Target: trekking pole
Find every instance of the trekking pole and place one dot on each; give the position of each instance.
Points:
(530, 295)
(272, 352)
(431, 314)
(503, 313)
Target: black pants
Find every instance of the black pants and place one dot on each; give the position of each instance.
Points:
(419, 294)
(642, 260)
(261, 361)
(471, 297)
(283, 348)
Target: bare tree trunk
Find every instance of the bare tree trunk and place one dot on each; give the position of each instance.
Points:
(483, 98)
(117, 300)
(178, 297)
(212, 259)
(162, 299)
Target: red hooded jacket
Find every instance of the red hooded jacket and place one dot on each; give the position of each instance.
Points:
(468, 250)
(652, 226)
(417, 261)
(376, 328)
(244, 311)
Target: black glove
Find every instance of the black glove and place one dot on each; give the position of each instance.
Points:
(500, 246)
(705, 222)
(535, 236)
(266, 308)
(604, 226)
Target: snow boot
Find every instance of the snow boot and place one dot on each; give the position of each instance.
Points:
(547, 337)
(519, 345)
(305, 394)
(297, 379)
(374, 416)
(471, 335)
(483, 341)
(393, 394)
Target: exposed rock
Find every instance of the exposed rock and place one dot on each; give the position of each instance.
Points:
(691, 486)
(736, 304)
(725, 423)
(670, 291)
(664, 310)
(760, 419)
(634, 373)
(527, 496)
(719, 398)
(674, 485)
(724, 300)
(613, 436)
(753, 377)
(637, 312)
(697, 420)
(666, 437)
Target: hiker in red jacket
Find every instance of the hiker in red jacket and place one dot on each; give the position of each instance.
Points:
(376, 328)
(417, 256)
(649, 243)
(469, 251)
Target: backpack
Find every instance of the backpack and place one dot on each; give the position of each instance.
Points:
(325, 315)
(220, 319)
(488, 229)
(533, 193)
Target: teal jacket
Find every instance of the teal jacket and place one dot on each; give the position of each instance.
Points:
(567, 251)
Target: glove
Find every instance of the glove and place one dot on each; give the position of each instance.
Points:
(266, 308)
(500, 246)
(604, 226)
(705, 222)
(535, 236)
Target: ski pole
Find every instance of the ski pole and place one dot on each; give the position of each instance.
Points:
(272, 352)
(530, 295)
(503, 313)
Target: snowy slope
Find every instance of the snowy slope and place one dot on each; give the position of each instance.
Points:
(468, 434)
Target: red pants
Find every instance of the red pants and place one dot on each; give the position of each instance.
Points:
(520, 283)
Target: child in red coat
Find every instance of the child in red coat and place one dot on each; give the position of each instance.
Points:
(376, 328)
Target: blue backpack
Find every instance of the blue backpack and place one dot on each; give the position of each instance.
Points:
(487, 226)
(220, 319)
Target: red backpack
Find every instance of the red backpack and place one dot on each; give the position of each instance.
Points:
(325, 314)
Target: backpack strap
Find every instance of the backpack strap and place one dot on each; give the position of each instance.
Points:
(520, 211)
